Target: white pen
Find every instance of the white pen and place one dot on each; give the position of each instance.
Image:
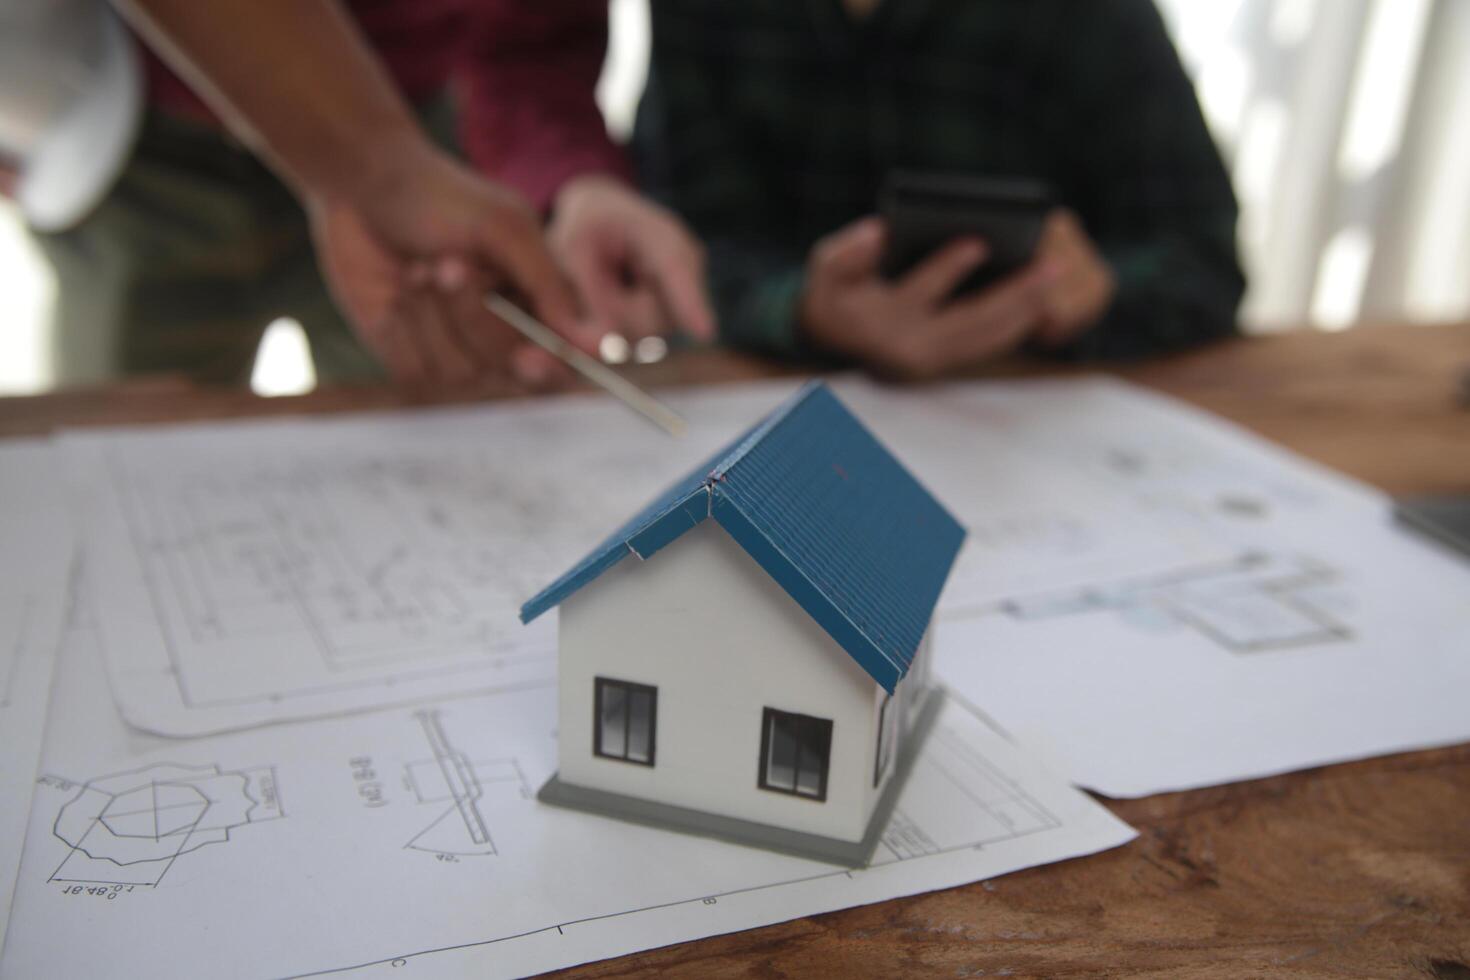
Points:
(587, 366)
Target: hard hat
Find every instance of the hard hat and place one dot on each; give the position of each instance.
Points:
(71, 100)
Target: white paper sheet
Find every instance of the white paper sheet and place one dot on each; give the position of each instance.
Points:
(35, 558)
(335, 845)
(1329, 634)
(258, 572)
(1152, 597)
(1040, 511)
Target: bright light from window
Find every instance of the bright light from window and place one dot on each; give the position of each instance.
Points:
(1200, 30)
(1291, 20)
(1340, 279)
(1438, 287)
(1258, 156)
(626, 67)
(1381, 86)
(1224, 83)
(27, 292)
(283, 362)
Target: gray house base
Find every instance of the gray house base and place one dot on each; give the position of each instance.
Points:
(814, 846)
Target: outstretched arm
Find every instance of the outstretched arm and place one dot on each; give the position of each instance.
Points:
(299, 84)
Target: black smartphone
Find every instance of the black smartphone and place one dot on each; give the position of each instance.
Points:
(1445, 518)
(925, 211)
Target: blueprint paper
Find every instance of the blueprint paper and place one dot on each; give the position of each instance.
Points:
(257, 572)
(1153, 598)
(1328, 634)
(265, 571)
(35, 558)
(1008, 459)
(342, 844)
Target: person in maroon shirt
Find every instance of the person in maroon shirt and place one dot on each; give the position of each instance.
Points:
(199, 244)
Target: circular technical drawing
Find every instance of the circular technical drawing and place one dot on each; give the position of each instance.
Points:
(155, 811)
(155, 814)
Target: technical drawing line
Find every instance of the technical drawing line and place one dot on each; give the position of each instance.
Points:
(1184, 573)
(129, 505)
(1249, 604)
(467, 785)
(1014, 792)
(560, 927)
(458, 775)
(278, 553)
(147, 818)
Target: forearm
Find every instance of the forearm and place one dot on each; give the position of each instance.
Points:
(295, 80)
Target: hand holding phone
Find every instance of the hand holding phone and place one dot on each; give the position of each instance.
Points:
(939, 284)
(924, 212)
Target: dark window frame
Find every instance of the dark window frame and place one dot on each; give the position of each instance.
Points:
(599, 684)
(808, 722)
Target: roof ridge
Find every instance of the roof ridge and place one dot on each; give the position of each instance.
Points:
(779, 415)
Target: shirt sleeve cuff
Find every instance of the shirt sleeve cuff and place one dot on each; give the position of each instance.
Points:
(764, 317)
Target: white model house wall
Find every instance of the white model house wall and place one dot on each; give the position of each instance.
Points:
(899, 716)
(915, 684)
(721, 641)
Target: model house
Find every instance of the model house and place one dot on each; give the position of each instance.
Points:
(745, 658)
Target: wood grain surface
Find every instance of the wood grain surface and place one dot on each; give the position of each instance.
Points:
(1354, 870)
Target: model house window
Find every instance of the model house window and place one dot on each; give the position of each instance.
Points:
(794, 753)
(887, 736)
(624, 716)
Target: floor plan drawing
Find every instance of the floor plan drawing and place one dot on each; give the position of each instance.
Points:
(257, 573)
(281, 555)
(1201, 670)
(461, 828)
(1255, 603)
(130, 828)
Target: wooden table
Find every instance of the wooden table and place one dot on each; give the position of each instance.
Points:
(1357, 870)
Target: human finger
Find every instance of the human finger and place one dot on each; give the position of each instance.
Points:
(996, 319)
(1085, 285)
(516, 247)
(538, 370)
(447, 357)
(852, 252)
(596, 272)
(462, 288)
(966, 331)
(1067, 307)
(499, 350)
(392, 344)
(935, 279)
(676, 267)
(644, 313)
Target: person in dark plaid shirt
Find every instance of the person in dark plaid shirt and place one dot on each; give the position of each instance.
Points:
(770, 125)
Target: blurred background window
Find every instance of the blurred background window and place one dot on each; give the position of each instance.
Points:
(1343, 123)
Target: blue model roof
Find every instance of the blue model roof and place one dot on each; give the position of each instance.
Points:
(829, 514)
